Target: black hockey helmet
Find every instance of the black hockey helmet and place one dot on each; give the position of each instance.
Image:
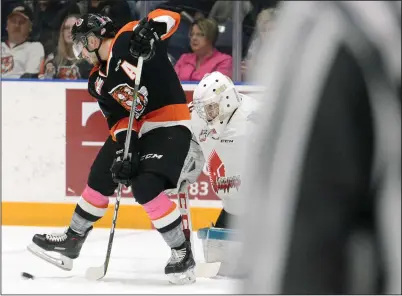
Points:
(91, 24)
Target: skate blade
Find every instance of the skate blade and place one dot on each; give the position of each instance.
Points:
(184, 278)
(59, 260)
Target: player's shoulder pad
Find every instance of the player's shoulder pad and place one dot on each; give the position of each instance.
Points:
(126, 30)
(245, 117)
(94, 71)
(120, 43)
(170, 18)
(249, 107)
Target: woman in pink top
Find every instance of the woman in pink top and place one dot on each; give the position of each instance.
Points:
(204, 58)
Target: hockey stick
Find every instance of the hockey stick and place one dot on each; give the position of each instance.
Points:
(96, 273)
(202, 269)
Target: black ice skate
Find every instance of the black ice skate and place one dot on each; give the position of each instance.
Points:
(180, 267)
(58, 249)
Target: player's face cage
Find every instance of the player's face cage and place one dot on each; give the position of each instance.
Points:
(98, 30)
(78, 46)
(80, 42)
(211, 111)
(208, 110)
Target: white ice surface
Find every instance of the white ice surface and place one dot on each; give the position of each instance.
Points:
(136, 267)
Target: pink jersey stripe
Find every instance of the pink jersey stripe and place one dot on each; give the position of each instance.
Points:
(158, 207)
(95, 198)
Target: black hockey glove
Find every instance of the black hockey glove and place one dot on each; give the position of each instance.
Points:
(123, 171)
(143, 39)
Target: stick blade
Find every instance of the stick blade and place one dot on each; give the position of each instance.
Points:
(95, 273)
(207, 270)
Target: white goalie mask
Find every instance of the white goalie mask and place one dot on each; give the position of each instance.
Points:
(215, 98)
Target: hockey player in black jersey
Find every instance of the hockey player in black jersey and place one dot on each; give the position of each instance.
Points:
(160, 136)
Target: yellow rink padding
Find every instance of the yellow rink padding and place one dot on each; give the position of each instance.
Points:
(59, 214)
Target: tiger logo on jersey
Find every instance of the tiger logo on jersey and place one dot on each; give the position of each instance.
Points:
(7, 64)
(217, 175)
(124, 94)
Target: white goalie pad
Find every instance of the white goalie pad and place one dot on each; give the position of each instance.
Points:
(52, 257)
(192, 167)
(218, 245)
(193, 164)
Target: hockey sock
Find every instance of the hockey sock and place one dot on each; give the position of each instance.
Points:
(91, 206)
(166, 218)
(174, 237)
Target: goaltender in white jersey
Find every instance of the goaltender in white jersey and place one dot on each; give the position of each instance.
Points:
(221, 117)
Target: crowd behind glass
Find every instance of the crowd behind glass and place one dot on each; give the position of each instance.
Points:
(213, 35)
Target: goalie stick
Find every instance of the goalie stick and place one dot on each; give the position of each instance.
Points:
(98, 272)
(202, 269)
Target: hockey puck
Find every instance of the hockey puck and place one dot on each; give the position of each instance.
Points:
(27, 276)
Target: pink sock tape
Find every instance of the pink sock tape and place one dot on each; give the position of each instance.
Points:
(95, 198)
(158, 207)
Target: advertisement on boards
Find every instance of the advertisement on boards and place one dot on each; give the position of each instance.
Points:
(86, 131)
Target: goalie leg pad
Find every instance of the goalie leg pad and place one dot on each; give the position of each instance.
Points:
(218, 244)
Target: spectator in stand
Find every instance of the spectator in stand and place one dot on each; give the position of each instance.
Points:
(265, 23)
(119, 10)
(63, 64)
(48, 15)
(6, 7)
(205, 58)
(19, 57)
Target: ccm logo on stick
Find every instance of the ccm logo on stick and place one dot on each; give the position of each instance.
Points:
(148, 156)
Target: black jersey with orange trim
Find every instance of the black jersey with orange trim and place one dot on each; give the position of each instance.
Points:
(161, 100)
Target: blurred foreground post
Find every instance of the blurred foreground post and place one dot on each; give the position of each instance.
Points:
(328, 162)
